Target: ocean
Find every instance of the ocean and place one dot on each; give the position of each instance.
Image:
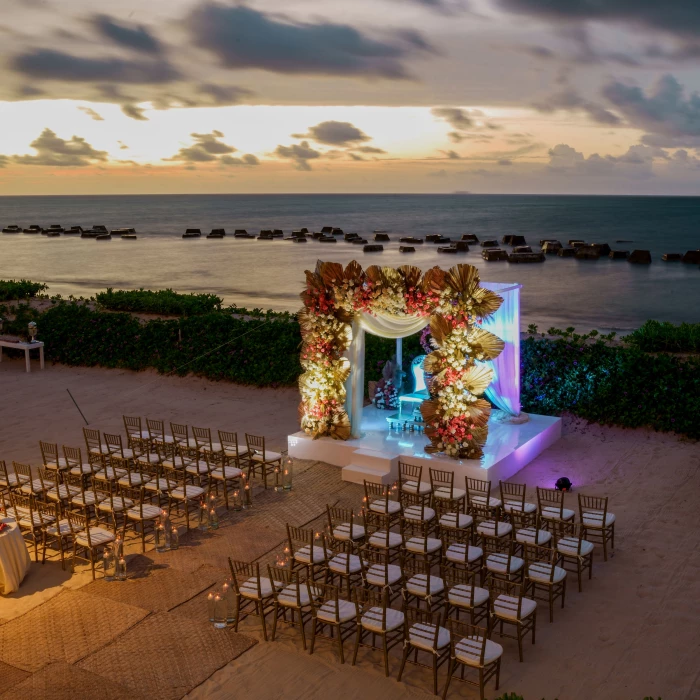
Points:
(604, 294)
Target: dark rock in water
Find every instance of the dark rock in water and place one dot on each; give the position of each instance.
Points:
(513, 240)
(692, 256)
(489, 244)
(358, 241)
(433, 237)
(470, 238)
(624, 240)
(619, 254)
(382, 237)
(304, 230)
(266, 232)
(129, 236)
(602, 248)
(575, 242)
(337, 231)
(53, 234)
(447, 249)
(194, 233)
(551, 247)
(317, 234)
(586, 252)
(219, 231)
(215, 235)
(327, 229)
(278, 233)
(547, 240)
(193, 230)
(566, 252)
(99, 227)
(411, 239)
(494, 254)
(672, 257)
(373, 248)
(443, 239)
(299, 240)
(406, 249)
(239, 231)
(350, 236)
(266, 236)
(327, 239)
(104, 237)
(76, 229)
(526, 257)
(243, 234)
(640, 257)
(91, 234)
(522, 249)
(461, 246)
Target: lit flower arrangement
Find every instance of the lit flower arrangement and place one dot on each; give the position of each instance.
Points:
(455, 417)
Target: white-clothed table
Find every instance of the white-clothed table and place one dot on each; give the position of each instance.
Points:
(14, 557)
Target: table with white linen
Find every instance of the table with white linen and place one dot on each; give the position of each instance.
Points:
(37, 345)
(14, 557)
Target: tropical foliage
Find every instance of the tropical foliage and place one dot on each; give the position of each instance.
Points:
(19, 289)
(655, 336)
(165, 301)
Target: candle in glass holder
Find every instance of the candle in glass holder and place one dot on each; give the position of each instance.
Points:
(120, 572)
(287, 472)
(210, 606)
(219, 611)
(237, 500)
(203, 515)
(213, 519)
(109, 564)
(278, 482)
(229, 595)
(174, 538)
(247, 497)
(160, 538)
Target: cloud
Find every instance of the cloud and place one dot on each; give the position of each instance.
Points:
(91, 113)
(451, 155)
(29, 91)
(369, 149)
(51, 150)
(443, 7)
(206, 148)
(458, 119)
(300, 154)
(134, 112)
(122, 145)
(247, 159)
(132, 36)
(671, 118)
(47, 64)
(569, 99)
(241, 37)
(333, 133)
(437, 173)
(505, 162)
(637, 161)
(225, 94)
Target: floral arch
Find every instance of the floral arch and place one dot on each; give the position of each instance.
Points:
(453, 301)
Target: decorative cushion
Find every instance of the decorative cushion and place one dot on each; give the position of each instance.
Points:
(192, 492)
(542, 573)
(159, 485)
(119, 503)
(62, 492)
(249, 588)
(468, 651)
(418, 513)
(461, 596)
(492, 529)
(110, 474)
(554, 513)
(506, 606)
(36, 520)
(346, 611)
(481, 501)
(376, 576)
(423, 545)
(135, 479)
(150, 512)
(518, 507)
(569, 546)
(230, 451)
(462, 554)
(86, 499)
(340, 564)
(149, 458)
(13, 480)
(342, 532)
(50, 464)
(30, 487)
(595, 520)
(270, 456)
(499, 563)
(303, 555)
(417, 585)
(451, 520)
(444, 492)
(383, 506)
(528, 535)
(226, 473)
(422, 489)
(423, 636)
(63, 527)
(98, 536)
(214, 447)
(373, 619)
(82, 469)
(288, 595)
(197, 467)
(379, 540)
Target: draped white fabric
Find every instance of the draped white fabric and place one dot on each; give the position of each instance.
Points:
(504, 391)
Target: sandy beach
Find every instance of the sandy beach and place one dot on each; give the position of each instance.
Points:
(633, 631)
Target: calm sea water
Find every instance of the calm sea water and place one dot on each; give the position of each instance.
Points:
(603, 294)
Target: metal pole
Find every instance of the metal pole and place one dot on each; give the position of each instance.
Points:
(399, 362)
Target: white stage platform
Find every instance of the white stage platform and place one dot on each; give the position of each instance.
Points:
(375, 455)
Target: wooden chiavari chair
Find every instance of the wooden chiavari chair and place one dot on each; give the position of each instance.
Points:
(337, 614)
(550, 505)
(417, 524)
(9, 480)
(261, 459)
(134, 475)
(308, 550)
(458, 552)
(465, 596)
(376, 619)
(510, 607)
(227, 475)
(84, 498)
(574, 550)
(205, 445)
(424, 634)
(380, 535)
(456, 518)
(378, 499)
(115, 446)
(479, 494)
(157, 434)
(52, 487)
(181, 435)
(234, 452)
(513, 499)
(343, 565)
(28, 486)
(30, 518)
(75, 463)
(89, 538)
(254, 593)
(50, 458)
(598, 523)
(141, 513)
(294, 597)
(489, 523)
(473, 650)
(110, 502)
(446, 497)
(180, 492)
(411, 481)
(134, 430)
(420, 586)
(542, 575)
(157, 486)
(188, 461)
(380, 573)
(343, 527)
(59, 533)
(500, 560)
(97, 451)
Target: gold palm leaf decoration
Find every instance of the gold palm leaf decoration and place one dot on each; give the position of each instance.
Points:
(340, 426)
(485, 302)
(331, 273)
(411, 275)
(434, 280)
(434, 363)
(353, 271)
(477, 379)
(485, 345)
(440, 328)
(478, 413)
(464, 279)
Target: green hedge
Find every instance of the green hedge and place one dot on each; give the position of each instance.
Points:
(19, 289)
(165, 302)
(590, 378)
(655, 336)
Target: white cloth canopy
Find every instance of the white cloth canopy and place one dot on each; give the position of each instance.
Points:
(504, 391)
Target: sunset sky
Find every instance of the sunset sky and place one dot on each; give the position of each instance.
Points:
(170, 96)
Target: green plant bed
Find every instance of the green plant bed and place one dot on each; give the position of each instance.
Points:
(655, 336)
(19, 289)
(165, 302)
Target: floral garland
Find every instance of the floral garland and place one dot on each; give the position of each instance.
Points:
(455, 417)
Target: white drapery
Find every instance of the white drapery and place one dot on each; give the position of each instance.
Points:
(504, 391)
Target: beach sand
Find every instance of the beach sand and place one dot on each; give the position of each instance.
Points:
(634, 631)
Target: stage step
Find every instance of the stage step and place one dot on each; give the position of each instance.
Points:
(386, 462)
(358, 474)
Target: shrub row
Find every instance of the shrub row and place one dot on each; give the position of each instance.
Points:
(165, 302)
(655, 336)
(19, 289)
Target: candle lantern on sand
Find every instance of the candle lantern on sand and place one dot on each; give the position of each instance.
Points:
(287, 473)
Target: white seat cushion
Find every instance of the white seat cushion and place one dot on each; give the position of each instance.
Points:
(481, 501)
(506, 606)
(444, 492)
(63, 527)
(376, 576)
(595, 520)
(102, 450)
(418, 514)
(231, 451)
(249, 588)
(468, 651)
(119, 503)
(342, 532)
(128, 453)
(341, 565)
(226, 473)
(13, 480)
(192, 492)
(149, 511)
(148, 458)
(462, 554)
(423, 636)
(541, 572)
(379, 539)
(304, 556)
(346, 611)
(528, 535)
(110, 474)
(270, 456)
(518, 507)
(82, 469)
(384, 507)
(422, 489)
(373, 620)
(288, 596)
(451, 520)
(86, 499)
(569, 546)
(134, 480)
(553, 513)
(159, 485)
(36, 520)
(33, 486)
(98, 536)
(417, 585)
(62, 492)
(423, 545)
(51, 464)
(492, 529)
(499, 563)
(214, 447)
(461, 596)
(198, 466)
